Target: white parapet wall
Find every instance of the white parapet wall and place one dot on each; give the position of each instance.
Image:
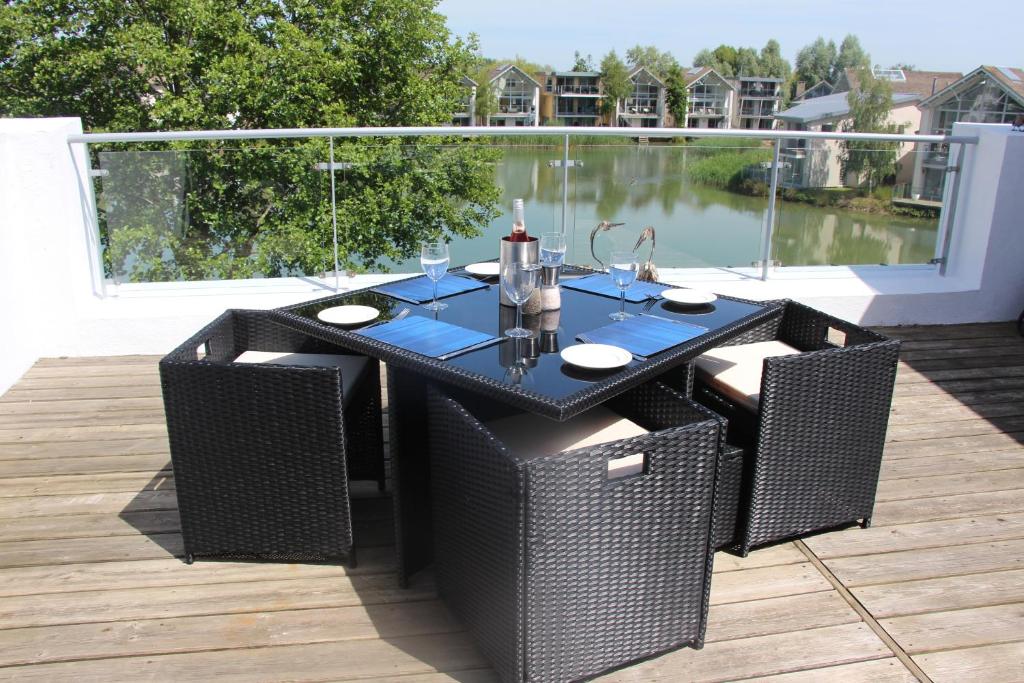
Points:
(53, 300)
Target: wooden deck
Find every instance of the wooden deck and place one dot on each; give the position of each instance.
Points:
(92, 586)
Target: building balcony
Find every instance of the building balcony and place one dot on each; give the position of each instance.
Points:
(95, 581)
(589, 90)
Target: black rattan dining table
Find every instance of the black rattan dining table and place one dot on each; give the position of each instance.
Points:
(549, 387)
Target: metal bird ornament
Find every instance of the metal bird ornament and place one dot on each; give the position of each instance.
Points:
(603, 226)
(647, 272)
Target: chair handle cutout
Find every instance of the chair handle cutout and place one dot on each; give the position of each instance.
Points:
(627, 466)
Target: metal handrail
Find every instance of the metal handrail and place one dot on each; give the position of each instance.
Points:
(473, 131)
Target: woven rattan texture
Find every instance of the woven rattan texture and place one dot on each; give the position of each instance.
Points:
(612, 570)
(819, 432)
(259, 450)
(727, 502)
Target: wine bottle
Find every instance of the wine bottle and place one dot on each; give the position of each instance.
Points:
(518, 224)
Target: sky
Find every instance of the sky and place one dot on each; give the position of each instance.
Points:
(934, 35)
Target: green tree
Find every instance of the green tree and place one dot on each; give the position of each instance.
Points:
(851, 56)
(814, 62)
(747, 63)
(581, 63)
(714, 59)
(773, 65)
(675, 94)
(486, 96)
(617, 86)
(870, 106)
(657, 62)
(259, 207)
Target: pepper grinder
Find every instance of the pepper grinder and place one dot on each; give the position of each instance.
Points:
(550, 290)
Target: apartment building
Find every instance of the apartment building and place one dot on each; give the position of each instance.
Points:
(709, 99)
(516, 97)
(818, 163)
(760, 97)
(576, 97)
(989, 94)
(466, 113)
(645, 106)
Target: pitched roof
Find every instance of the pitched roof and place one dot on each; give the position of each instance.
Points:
(696, 73)
(469, 82)
(635, 72)
(832, 106)
(1011, 77)
(923, 83)
(1003, 75)
(820, 85)
(502, 69)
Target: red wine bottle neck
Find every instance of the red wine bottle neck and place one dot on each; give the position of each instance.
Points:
(519, 234)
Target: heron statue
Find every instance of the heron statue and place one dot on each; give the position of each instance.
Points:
(648, 272)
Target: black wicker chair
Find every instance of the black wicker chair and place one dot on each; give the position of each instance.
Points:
(263, 454)
(813, 448)
(560, 571)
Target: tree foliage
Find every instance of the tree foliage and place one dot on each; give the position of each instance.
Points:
(772, 63)
(675, 94)
(821, 61)
(582, 63)
(617, 86)
(654, 60)
(870, 106)
(731, 61)
(814, 62)
(259, 207)
(851, 56)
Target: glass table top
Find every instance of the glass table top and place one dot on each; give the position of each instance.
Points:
(534, 364)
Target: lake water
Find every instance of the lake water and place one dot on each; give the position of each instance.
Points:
(696, 226)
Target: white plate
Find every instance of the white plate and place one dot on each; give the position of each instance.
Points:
(690, 297)
(489, 268)
(348, 315)
(596, 356)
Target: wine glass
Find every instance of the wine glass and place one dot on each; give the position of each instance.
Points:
(518, 280)
(552, 249)
(434, 261)
(623, 267)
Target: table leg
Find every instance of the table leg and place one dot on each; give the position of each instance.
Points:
(410, 471)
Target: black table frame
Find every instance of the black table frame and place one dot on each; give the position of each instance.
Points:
(409, 374)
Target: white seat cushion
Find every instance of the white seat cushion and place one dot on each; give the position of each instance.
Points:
(529, 434)
(352, 367)
(736, 370)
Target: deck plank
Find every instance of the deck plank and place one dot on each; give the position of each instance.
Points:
(992, 664)
(944, 593)
(92, 586)
(962, 628)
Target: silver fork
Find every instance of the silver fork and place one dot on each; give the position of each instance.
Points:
(650, 304)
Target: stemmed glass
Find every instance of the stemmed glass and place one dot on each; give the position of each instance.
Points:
(552, 249)
(623, 268)
(518, 280)
(434, 261)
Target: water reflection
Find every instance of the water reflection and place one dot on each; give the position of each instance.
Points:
(697, 225)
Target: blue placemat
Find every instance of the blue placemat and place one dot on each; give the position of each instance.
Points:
(644, 335)
(427, 336)
(419, 290)
(601, 283)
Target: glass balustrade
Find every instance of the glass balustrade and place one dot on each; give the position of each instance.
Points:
(263, 208)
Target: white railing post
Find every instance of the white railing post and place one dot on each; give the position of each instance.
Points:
(769, 219)
(950, 197)
(565, 182)
(334, 220)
